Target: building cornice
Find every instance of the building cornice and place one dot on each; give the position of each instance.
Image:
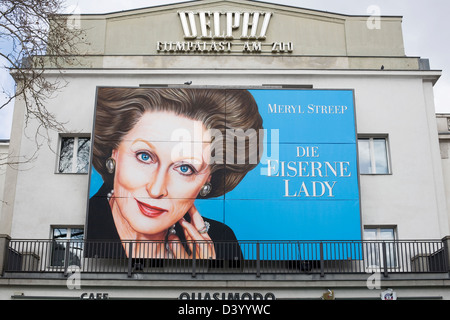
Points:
(426, 74)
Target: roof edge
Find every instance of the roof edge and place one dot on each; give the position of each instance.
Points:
(252, 2)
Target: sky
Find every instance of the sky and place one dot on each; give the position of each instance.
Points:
(425, 31)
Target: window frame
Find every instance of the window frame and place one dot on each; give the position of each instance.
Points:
(371, 138)
(52, 258)
(76, 138)
(378, 229)
(372, 247)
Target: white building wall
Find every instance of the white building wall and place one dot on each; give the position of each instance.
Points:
(443, 127)
(4, 146)
(331, 51)
(391, 103)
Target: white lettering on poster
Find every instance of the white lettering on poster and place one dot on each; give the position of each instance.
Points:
(322, 172)
(309, 109)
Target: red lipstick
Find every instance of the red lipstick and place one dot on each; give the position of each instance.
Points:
(150, 211)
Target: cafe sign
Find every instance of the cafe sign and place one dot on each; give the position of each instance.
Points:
(224, 32)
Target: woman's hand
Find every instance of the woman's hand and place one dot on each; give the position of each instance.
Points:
(195, 231)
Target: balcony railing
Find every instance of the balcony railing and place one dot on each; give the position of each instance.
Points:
(245, 257)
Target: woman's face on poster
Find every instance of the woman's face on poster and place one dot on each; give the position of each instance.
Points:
(161, 165)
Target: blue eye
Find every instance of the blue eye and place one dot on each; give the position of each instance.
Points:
(143, 156)
(185, 169)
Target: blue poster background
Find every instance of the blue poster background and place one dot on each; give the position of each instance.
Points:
(258, 208)
(306, 186)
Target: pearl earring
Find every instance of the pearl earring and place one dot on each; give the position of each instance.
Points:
(206, 189)
(110, 165)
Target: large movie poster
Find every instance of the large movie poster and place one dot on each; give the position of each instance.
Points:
(173, 165)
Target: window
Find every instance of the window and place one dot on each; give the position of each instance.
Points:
(67, 243)
(74, 155)
(387, 233)
(373, 156)
(376, 240)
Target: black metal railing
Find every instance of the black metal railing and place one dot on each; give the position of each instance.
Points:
(245, 257)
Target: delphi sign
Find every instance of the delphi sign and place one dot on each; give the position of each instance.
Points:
(217, 32)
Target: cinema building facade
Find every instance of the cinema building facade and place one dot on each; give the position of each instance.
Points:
(232, 150)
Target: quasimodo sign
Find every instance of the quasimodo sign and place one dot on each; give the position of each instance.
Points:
(222, 165)
(224, 32)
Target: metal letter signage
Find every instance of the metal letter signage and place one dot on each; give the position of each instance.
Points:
(220, 32)
(250, 24)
